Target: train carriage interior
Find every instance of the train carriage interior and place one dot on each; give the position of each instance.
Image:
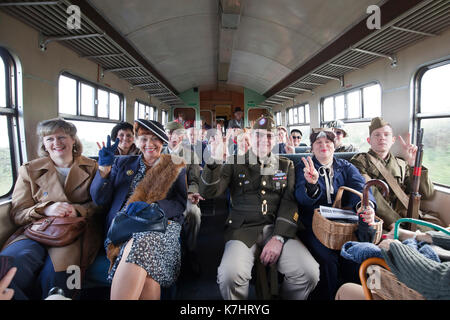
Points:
(98, 62)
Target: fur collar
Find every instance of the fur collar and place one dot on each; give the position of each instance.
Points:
(158, 180)
(153, 187)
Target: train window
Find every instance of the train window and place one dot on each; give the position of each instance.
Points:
(9, 148)
(164, 117)
(145, 111)
(94, 109)
(298, 115)
(298, 118)
(356, 108)
(2, 84)
(432, 113)
(278, 121)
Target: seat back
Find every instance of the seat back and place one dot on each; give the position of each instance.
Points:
(297, 157)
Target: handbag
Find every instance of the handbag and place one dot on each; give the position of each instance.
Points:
(56, 231)
(138, 217)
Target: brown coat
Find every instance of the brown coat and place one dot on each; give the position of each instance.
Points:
(38, 186)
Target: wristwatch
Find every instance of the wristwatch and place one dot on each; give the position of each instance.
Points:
(279, 238)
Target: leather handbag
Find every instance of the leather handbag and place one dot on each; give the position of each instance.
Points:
(56, 231)
(138, 217)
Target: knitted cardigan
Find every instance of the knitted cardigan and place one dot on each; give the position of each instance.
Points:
(428, 277)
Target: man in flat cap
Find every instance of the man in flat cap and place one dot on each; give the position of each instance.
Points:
(263, 219)
(340, 131)
(380, 163)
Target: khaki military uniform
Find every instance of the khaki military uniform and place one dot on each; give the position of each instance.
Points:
(391, 209)
(262, 205)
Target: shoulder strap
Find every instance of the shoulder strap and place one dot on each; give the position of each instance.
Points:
(401, 195)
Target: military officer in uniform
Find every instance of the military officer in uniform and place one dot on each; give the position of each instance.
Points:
(263, 215)
(381, 139)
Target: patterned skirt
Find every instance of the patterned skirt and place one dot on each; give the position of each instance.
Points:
(157, 253)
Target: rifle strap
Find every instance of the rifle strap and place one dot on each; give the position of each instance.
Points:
(391, 181)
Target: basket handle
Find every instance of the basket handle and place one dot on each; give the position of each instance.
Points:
(421, 222)
(337, 200)
(363, 274)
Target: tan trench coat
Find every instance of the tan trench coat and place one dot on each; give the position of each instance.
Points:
(38, 186)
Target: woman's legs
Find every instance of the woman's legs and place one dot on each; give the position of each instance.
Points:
(130, 281)
(151, 290)
(29, 257)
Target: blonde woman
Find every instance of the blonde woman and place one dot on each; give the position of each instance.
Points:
(56, 184)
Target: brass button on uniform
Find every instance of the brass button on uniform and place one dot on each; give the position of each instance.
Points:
(264, 201)
(263, 183)
(230, 221)
(263, 191)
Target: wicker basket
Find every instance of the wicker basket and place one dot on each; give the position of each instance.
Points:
(392, 289)
(333, 234)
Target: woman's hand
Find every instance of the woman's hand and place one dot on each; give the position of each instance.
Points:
(367, 214)
(311, 174)
(5, 292)
(106, 156)
(195, 198)
(60, 209)
(271, 252)
(106, 153)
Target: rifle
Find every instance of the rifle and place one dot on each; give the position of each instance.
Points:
(414, 197)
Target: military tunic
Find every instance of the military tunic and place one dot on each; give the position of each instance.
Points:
(262, 206)
(256, 200)
(391, 209)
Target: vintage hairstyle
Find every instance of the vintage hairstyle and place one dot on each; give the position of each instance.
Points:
(120, 126)
(48, 127)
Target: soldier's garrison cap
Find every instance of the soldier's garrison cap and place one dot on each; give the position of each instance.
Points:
(377, 123)
(265, 122)
(173, 125)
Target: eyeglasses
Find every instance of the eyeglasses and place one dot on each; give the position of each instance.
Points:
(296, 137)
(338, 133)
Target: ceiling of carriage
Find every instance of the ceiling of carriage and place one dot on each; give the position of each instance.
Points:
(278, 48)
(250, 43)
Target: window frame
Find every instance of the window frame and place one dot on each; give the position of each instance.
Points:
(417, 114)
(297, 106)
(151, 106)
(346, 92)
(95, 118)
(278, 116)
(13, 112)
